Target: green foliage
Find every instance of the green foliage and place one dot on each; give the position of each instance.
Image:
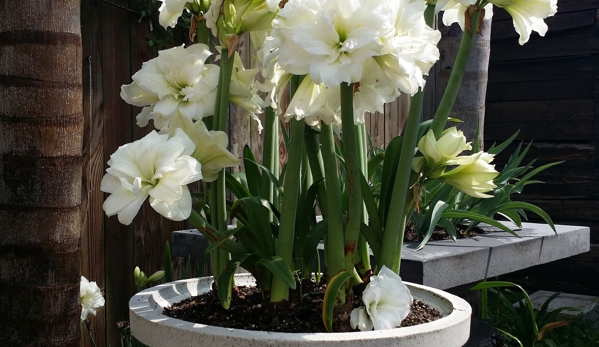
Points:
(468, 211)
(161, 38)
(514, 316)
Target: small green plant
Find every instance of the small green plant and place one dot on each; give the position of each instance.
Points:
(526, 326)
(448, 207)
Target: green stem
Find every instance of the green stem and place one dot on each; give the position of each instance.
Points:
(455, 79)
(353, 172)
(393, 235)
(280, 290)
(218, 204)
(334, 242)
(270, 154)
(89, 331)
(395, 227)
(202, 32)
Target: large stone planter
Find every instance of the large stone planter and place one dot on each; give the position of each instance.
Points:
(154, 329)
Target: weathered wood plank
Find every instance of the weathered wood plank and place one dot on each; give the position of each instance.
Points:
(92, 236)
(540, 110)
(571, 22)
(563, 68)
(563, 6)
(575, 88)
(541, 130)
(116, 70)
(550, 46)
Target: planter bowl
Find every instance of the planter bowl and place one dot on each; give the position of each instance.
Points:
(154, 329)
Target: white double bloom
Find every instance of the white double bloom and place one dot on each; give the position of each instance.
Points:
(155, 166)
(176, 80)
(386, 301)
(90, 297)
(385, 46)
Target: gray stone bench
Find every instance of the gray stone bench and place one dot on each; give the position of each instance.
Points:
(448, 264)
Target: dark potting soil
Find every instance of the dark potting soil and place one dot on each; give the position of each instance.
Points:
(439, 233)
(302, 314)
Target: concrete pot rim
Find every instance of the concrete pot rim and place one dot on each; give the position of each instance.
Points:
(149, 325)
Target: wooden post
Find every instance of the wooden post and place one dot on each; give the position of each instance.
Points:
(469, 106)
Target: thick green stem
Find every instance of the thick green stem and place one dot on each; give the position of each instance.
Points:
(334, 242)
(280, 290)
(218, 204)
(202, 32)
(353, 172)
(455, 79)
(395, 227)
(393, 235)
(270, 154)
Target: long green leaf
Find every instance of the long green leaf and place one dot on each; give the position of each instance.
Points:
(279, 268)
(497, 149)
(477, 217)
(235, 186)
(330, 297)
(388, 176)
(224, 283)
(252, 173)
(375, 222)
(529, 207)
(374, 163)
(276, 181)
(435, 215)
(313, 238)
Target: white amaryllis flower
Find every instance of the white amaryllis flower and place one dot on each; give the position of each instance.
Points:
(474, 174)
(176, 80)
(386, 300)
(243, 90)
(330, 39)
(156, 166)
(528, 15)
(210, 146)
(315, 103)
(90, 297)
(410, 48)
(170, 11)
(455, 11)
(437, 153)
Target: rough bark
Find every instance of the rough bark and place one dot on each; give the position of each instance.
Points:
(41, 123)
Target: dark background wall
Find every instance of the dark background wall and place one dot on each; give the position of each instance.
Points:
(549, 90)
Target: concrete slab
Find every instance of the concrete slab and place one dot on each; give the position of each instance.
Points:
(448, 264)
(583, 304)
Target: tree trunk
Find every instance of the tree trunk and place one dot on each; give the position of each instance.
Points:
(469, 106)
(41, 128)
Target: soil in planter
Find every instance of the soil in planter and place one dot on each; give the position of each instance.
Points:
(303, 314)
(439, 233)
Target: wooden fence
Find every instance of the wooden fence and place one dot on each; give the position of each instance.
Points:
(549, 89)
